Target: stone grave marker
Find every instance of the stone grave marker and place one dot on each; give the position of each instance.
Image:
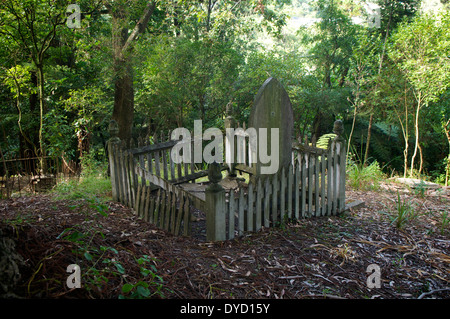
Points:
(272, 109)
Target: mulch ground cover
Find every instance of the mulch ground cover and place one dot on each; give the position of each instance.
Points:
(122, 256)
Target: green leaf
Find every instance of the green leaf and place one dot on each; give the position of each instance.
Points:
(88, 256)
(144, 292)
(120, 268)
(145, 272)
(127, 288)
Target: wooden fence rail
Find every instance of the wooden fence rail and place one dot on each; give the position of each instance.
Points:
(167, 209)
(313, 185)
(146, 179)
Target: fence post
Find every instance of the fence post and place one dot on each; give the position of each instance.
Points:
(340, 166)
(215, 205)
(230, 123)
(114, 140)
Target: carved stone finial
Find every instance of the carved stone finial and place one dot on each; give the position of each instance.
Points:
(113, 130)
(338, 128)
(229, 108)
(215, 176)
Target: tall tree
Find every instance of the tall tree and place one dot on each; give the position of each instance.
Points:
(33, 25)
(391, 12)
(332, 43)
(123, 41)
(421, 49)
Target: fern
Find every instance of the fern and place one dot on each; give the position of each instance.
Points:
(324, 140)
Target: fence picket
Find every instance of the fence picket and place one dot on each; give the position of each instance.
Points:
(134, 179)
(164, 164)
(310, 185)
(147, 203)
(275, 189)
(173, 214)
(342, 158)
(137, 204)
(150, 162)
(335, 180)
(157, 163)
(119, 172)
(187, 218)
(330, 180)
(162, 212)
(322, 185)
(241, 212)
(231, 209)
(316, 186)
(122, 177)
(151, 211)
(143, 200)
(258, 212)
(267, 195)
(283, 193)
(297, 192)
(250, 211)
(141, 160)
(168, 211)
(179, 215)
(290, 190)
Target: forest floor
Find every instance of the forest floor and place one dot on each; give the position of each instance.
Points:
(325, 257)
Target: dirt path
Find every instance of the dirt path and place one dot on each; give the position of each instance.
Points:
(313, 258)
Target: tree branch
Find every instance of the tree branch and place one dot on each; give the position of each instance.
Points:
(139, 28)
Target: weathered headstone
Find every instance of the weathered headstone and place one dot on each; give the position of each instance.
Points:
(272, 109)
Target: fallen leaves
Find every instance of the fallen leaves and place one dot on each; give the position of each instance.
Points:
(314, 258)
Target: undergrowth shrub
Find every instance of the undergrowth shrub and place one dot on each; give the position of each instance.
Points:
(402, 213)
(362, 177)
(93, 181)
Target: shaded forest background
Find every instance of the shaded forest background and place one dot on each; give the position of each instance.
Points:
(155, 66)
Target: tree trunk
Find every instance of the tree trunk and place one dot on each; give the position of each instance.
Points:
(416, 128)
(447, 133)
(41, 117)
(369, 134)
(405, 155)
(369, 129)
(123, 112)
(406, 137)
(351, 132)
(420, 158)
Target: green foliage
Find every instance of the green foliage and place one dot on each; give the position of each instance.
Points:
(196, 56)
(420, 189)
(404, 213)
(58, 134)
(445, 221)
(83, 188)
(420, 47)
(143, 288)
(333, 38)
(385, 145)
(364, 177)
(185, 80)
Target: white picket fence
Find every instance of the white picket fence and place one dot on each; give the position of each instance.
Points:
(313, 185)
